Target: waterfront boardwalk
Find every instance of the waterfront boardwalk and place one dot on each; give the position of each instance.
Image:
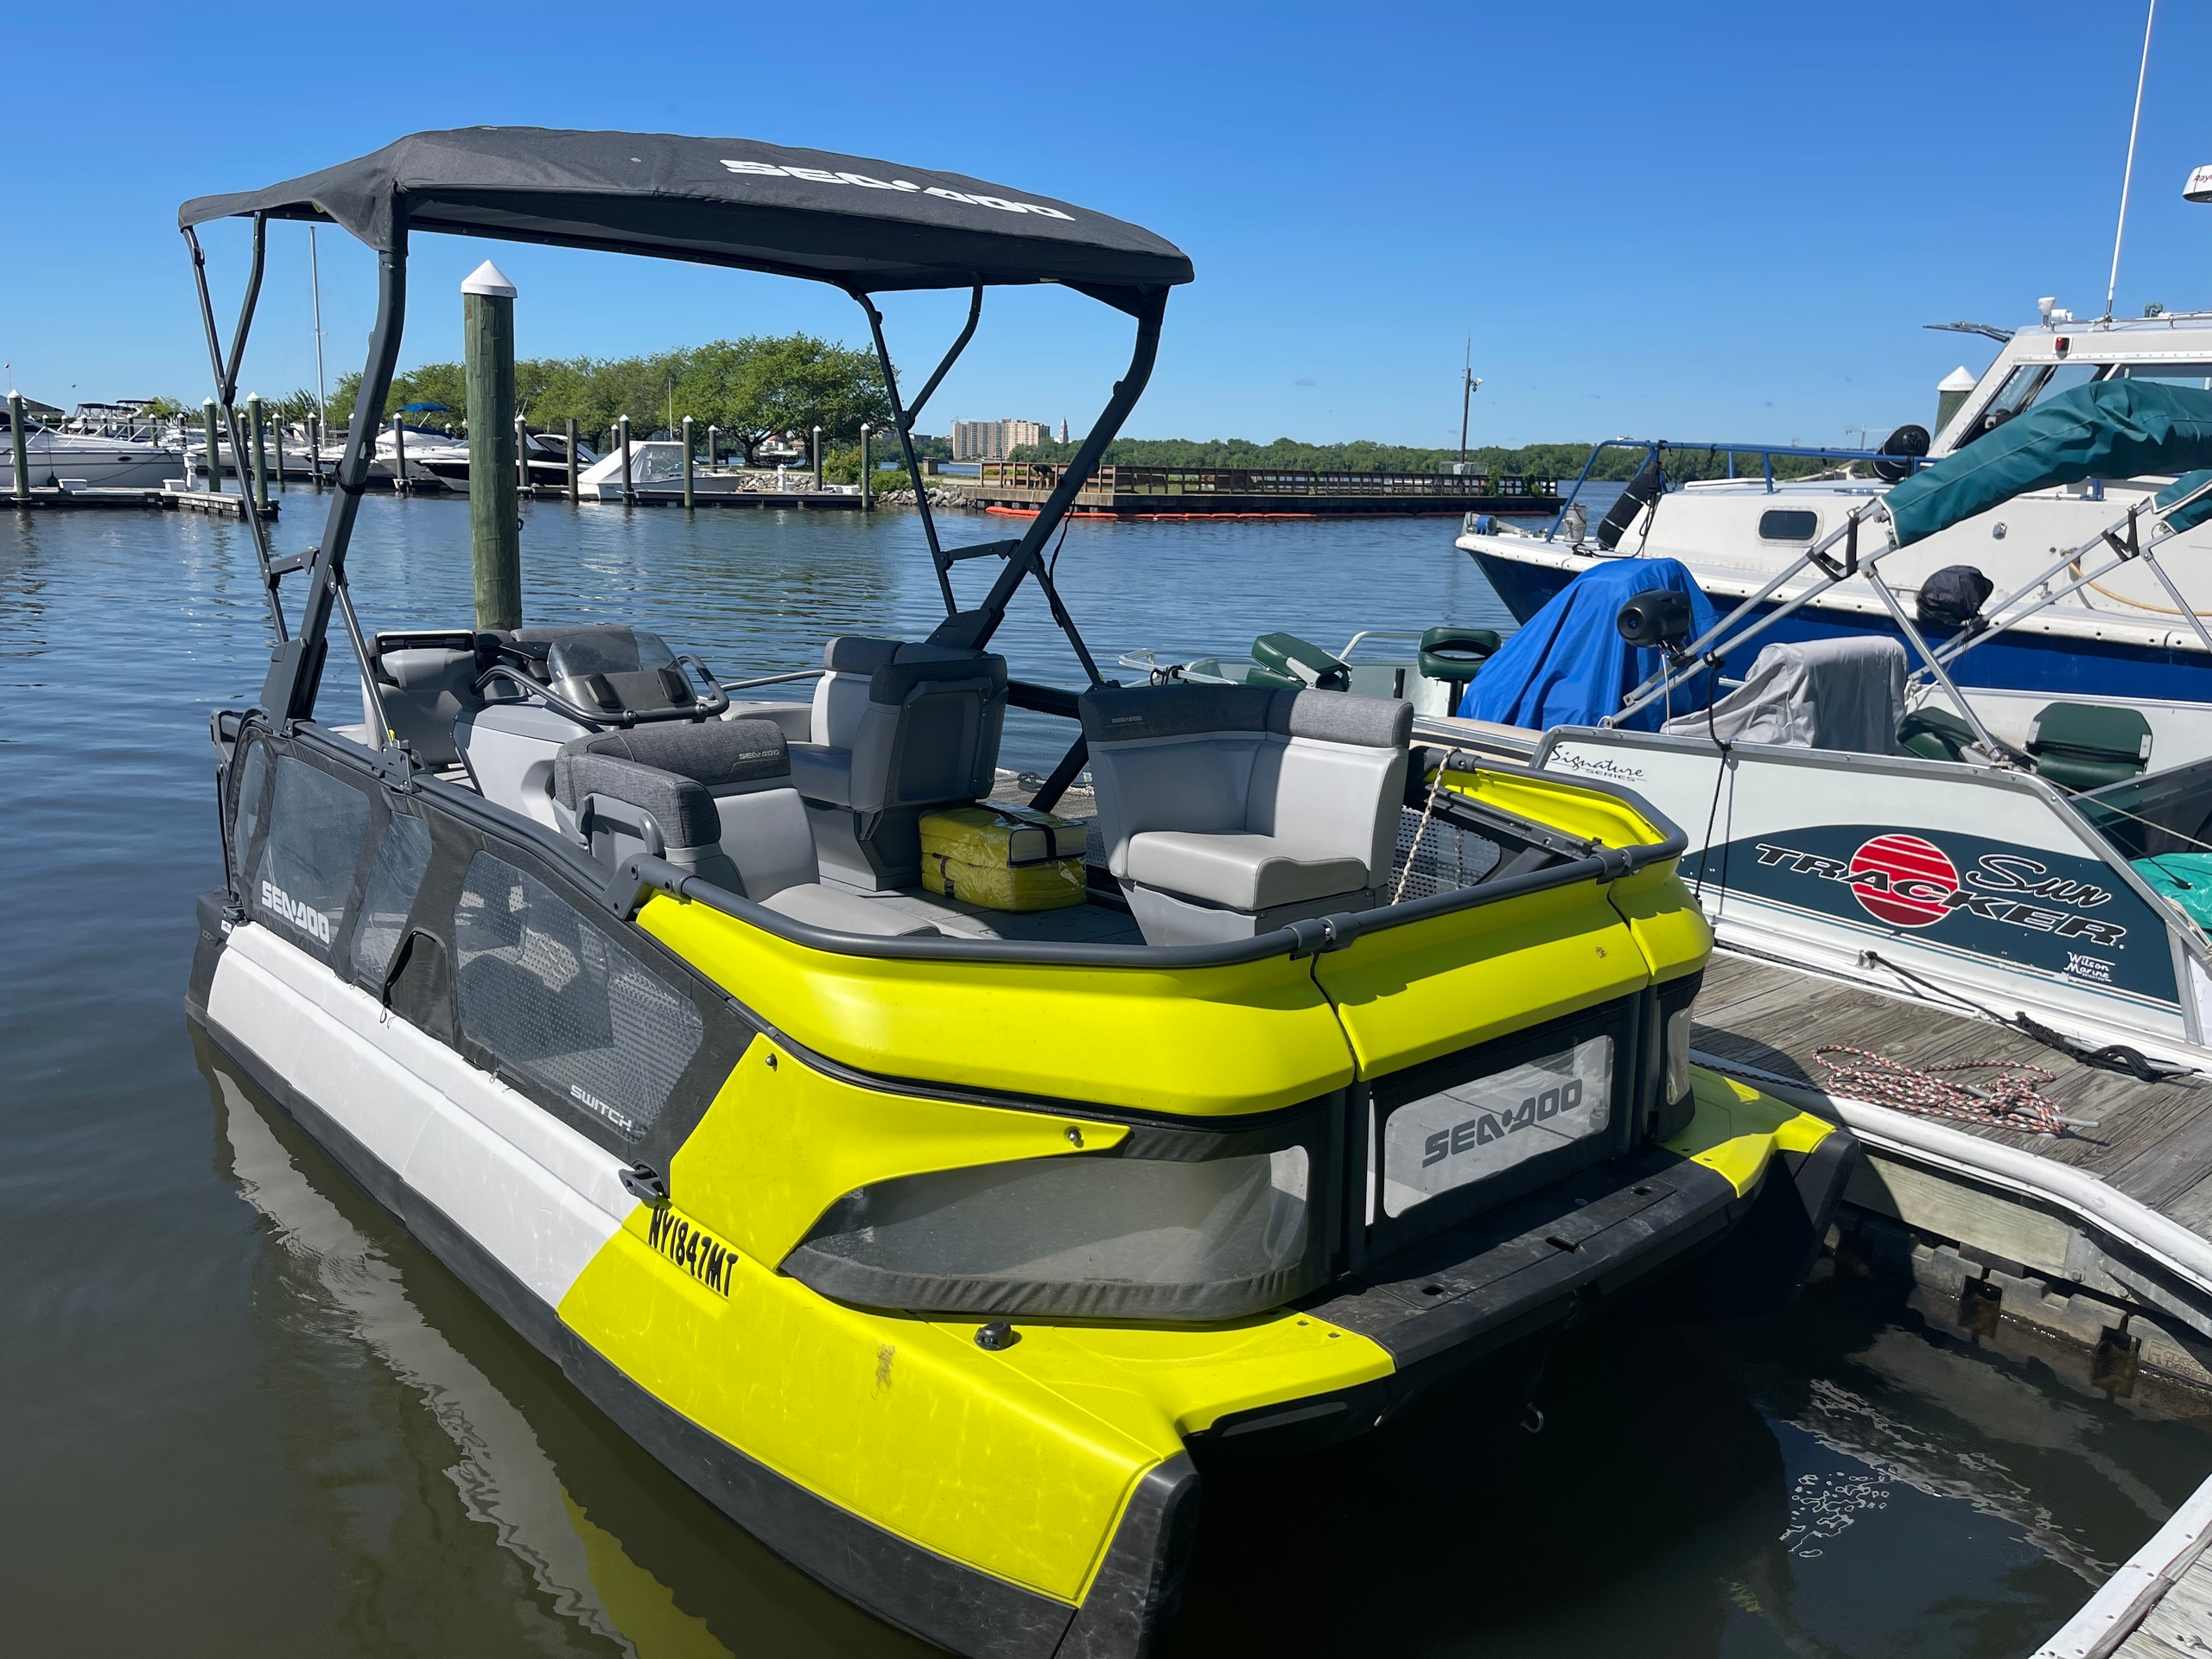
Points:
(1240, 492)
(2158, 1606)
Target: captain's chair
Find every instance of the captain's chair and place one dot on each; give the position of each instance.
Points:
(1228, 811)
(716, 799)
(898, 728)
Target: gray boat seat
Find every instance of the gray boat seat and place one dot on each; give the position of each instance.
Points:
(1231, 809)
(716, 799)
(897, 728)
(426, 681)
(1818, 694)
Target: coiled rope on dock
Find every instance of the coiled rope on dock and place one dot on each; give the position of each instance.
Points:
(2010, 1100)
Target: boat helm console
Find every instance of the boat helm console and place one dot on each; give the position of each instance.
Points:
(941, 1244)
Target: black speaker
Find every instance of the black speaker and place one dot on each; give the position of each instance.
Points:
(1659, 617)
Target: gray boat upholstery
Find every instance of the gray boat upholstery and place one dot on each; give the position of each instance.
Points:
(897, 728)
(1816, 694)
(716, 799)
(1229, 810)
(426, 682)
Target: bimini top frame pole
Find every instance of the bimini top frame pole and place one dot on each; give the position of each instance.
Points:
(866, 227)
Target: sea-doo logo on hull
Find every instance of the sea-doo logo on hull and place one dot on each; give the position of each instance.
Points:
(1910, 882)
(306, 917)
(1486, 1127)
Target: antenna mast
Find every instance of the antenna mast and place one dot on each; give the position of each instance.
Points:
(315, 285)
(2127, 178)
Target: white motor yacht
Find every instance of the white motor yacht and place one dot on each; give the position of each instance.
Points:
(86, 460)
(2121, 634)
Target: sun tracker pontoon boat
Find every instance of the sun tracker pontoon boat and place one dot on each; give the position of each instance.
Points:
(942, 1245)
(1993, 848)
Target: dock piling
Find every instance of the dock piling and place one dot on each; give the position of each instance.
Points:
(571, 432)
(494, 506)
(214, 447)
(622, 437)
(689, 501)
(253, 426)
(867, 484)
(398, 456)
(817, 457)
(713, 446)
(522, 458)
(18, 450)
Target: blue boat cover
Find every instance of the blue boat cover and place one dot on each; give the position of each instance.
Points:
(2112, 428)
(1569, 666)
(2198, 510)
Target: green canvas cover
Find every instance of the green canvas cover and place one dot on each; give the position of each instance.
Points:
(2198, 510)
(2112, 428)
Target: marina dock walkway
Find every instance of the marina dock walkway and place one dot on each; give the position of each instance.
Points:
(2158, 1606)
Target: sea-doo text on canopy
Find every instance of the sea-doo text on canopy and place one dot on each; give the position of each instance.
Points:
(936, 1227)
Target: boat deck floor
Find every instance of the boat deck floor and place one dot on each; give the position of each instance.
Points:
(2151, 1141)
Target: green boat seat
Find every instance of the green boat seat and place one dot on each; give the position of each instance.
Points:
(1934, 734)
(1456, 655)
(1284, 659)
(2087, 745)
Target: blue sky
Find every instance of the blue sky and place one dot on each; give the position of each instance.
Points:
(1718, 222)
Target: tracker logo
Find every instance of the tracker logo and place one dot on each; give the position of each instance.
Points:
(1902, 880)
(1908, 881)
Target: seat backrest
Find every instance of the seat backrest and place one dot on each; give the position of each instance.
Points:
(1820, 694)
(426, 683)
(841, 695)
(1324, 772)
(1334, 782)
(1172, 757)
(2087, 745)
(719, 793)
(931, 732)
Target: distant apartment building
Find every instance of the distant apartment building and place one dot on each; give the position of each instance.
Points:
(995, 440)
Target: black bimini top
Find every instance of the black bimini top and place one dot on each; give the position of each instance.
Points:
(863, 225)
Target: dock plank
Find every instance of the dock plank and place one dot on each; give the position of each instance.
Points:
(2153, 1141)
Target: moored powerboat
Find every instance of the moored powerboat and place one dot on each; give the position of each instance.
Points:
(2122, 636)
(87, 460)
(944, 1241)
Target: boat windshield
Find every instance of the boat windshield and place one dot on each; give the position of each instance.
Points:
(2197, 375)
(2033, 380)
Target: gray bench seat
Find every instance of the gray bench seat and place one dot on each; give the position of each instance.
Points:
(716, 799)
(1228, 811)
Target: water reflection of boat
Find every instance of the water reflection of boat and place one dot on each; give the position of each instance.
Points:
(504, 1478)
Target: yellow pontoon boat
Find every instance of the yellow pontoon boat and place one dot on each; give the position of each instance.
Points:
(941, 1246)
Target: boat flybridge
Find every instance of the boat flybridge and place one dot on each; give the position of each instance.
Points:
(940, 1226)
(2123, 635)
(1855, 806)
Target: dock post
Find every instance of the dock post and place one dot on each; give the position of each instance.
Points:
(214, 447)
(867, 484)
(522, 459)
(713, 446)
(19, 455)
(689, 502)
(260, 492)
(817, 457)
(494, 510)
(400, 481)
(622, 437)
(571, 430)
(315, 450)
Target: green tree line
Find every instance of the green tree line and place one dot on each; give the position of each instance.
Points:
(1554, 460)
(753, 389)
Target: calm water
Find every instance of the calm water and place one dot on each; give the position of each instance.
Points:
(241, 1413)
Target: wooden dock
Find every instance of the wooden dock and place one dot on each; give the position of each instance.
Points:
(2158, 1606)
(1022, 487)
(2102, 1236)
(51, 500)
